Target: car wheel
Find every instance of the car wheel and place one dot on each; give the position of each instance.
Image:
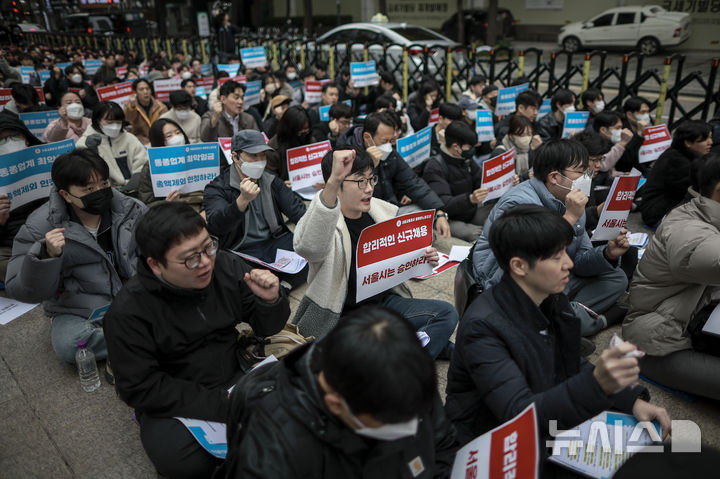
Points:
(571, 44)
(649, 46)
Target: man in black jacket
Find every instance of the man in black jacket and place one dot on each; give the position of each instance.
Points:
(171, 334)
(244, 205)
(336, 410)
(395, 177)
(550, 126)
(519, 342)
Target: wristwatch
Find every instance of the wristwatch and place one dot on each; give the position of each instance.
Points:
(441, 215)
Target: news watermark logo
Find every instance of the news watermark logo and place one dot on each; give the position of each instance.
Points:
(621, 437)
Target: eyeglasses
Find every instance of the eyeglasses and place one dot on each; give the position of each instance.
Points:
(597, 159)
(362, 183)
(193, 261)
(581, 173)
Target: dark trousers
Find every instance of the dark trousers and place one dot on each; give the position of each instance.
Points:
(173, 450)
(266, 250)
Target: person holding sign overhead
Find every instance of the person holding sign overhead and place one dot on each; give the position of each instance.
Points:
(345, 207)
(245, 204)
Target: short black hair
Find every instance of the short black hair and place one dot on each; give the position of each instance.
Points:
(230, 86)
(561, 97)
(450, 111)
(593, 142)
(476, 79)
(164, 225)
(24, 94)
(517, 124)
(589, 95)
(689, 130)
(558, 155)
(76, 168)
(708, 175)
(387, 77)
(530, 232)
(528, 98)
(363, 162)
(461, 133)
(354, 358)
(156, 135)
(605, 119)
(107, 110)
(180, 98)
(384, 101)
(184, 83)
(293, 120)
(489, 89)
(329, 84)
(634, 103)
(374, 120)
(340, 110)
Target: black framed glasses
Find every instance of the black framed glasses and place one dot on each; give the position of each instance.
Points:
(362, 183)
(193, 261)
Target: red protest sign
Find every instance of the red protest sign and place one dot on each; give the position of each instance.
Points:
(617, 208)
(303, 165)
(508, 451)
(313, 91)
(120, 93)
(164, 87)
(239, 79)
(225, 143)
(41, 94)
(434, 116)
(121, 71)
(5, 97)
(499, 174)
(390, 252)
(205, 82)
(656, 140)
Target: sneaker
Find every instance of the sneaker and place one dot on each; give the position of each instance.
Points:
(587, 347)
(109, 376)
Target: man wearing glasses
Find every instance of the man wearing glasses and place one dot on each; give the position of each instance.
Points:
(75, 252)
(562, 182)
(171, 333)
(327, 237)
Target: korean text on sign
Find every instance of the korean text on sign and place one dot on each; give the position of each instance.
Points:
(185, 168)
(230, 68)
(484, 125)
(506, 99)
(164, 87)
(225, 146)
(253, 57)
(25, 174)
(415, 149)
(434, 116)
(545, 108)
(363, 73)
(575, 122)
(120, 93)
(617, 208)
(304, 168)
(252, 92)
(499, 174)
(37, 121)
(656, 140)
(393, 251)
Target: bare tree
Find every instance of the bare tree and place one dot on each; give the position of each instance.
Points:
(460, 22)
(308, 21)
(492, 28)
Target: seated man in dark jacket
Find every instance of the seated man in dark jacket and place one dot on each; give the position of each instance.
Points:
(550, 126)
(336, 410)
(519, 341)
(171, 333)
(244, 205)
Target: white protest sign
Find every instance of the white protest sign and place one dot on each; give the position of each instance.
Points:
(617, 208)
(656, 140)
(120, 93)
(498, 174)
(575, 122)
(185, 168)
(363, 73)
(484, 125)
(313, 91)
(415, 148)
(393, 251)
(508, 451)
(253, 57)
(506, 99)
(304, 169)
(25, 174)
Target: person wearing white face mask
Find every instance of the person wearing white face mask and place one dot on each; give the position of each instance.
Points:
(360, 417)
(550, 126)
(609, 125)
(72, 122)
(245, 204)
(182, 113)
(593, 101)
(520, 137)
(122, 151)
(636, 117)
(562, 182)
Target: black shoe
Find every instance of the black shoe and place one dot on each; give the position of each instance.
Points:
(109, 376)
(587, 347)
(615, 314)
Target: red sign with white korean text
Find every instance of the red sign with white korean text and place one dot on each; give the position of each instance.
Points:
(164, 87)
(617, 208)
(205, 82)
(508, 451)
(41, 94)
(656, 140)
(434, 116)
(238, 79)
(313, 91)
(393, 251)
(499, 174)
(121, 71)
(303, 164)
(5, 97)
(225, 143)
(120, 93)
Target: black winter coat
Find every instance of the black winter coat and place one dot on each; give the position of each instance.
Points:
(508, 355)
(454, 182)
(548, 127)
(174, 351)
(288, 432)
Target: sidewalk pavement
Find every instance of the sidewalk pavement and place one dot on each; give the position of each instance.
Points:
(51, 428)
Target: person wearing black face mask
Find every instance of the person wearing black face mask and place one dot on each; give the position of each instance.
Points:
(457, 179)
(81, 243)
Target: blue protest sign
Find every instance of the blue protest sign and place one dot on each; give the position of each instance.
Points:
(252, 92)
(545, 108)
(231, 69)
(324, 113)
(63, 65)
(506, 99)
(44, 75)
(206, 69)
(484, 125)
(253, 57)
(25, 174)
(363, 73)
(92, 66)
(27, 73)
(575, 122)
(415, 149)
(185, 168)
(37, 121)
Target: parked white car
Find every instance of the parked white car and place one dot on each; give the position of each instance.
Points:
(647, 28)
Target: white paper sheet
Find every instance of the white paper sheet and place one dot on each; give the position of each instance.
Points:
(11, 309)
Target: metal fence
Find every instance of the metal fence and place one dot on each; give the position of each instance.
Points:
(453, 67)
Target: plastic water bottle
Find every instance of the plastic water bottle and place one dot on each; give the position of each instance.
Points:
(87, 368)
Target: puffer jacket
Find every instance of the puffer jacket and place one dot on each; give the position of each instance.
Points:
(675, 278)
(83, 278)
(140, 120)
(125, 155)
(549, 128)
(453, 179)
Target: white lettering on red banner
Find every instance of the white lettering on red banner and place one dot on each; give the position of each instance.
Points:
(657, 139)
(164, 87)
(434, 116)
(120, 93)
(225, 143)
(304, 168)
(617, 208)
(499, 174)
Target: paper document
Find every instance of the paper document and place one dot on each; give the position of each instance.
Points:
(285, 261)
(599, 446)
(212, 436)
(11, 309)
(459, 253)
(712, 326)
(638, 240)
(444, 264)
